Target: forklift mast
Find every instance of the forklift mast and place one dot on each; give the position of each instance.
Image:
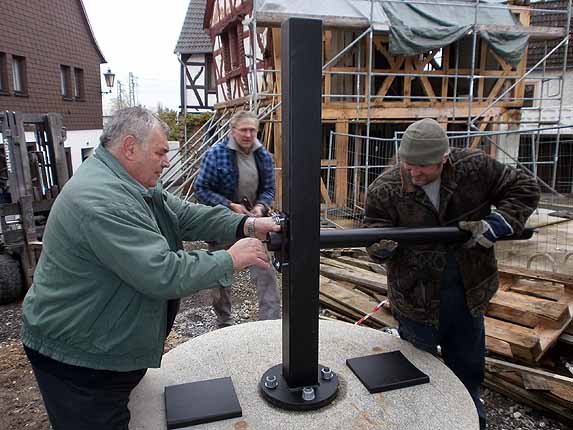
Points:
(33, 170)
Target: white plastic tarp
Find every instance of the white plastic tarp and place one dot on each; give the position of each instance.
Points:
(415, 26)
(353, 13)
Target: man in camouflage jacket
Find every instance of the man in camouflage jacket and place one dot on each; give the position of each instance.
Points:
(439, 292)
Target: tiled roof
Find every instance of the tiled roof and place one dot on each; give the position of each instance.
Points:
(538, 48)
(193, 39)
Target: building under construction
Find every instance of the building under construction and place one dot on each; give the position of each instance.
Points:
(494, 74)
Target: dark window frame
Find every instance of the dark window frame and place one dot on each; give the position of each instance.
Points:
(19, 71)
(529, 90)
(66, 87)
(4, 87)
(79, 87)
(234, 46)
(210, 74)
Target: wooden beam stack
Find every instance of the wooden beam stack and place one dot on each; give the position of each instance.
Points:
(529, 314)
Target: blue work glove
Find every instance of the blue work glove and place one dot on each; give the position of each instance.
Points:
(486, 231)
(381, 251)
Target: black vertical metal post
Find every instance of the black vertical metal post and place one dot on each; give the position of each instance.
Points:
(301, 383)
(302, 136)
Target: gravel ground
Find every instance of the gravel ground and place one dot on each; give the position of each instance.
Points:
(21, 406)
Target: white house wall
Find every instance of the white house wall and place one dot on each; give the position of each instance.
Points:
(223, 8)
(193, 71)
(248, 46)
(77, 140)
(550, 104)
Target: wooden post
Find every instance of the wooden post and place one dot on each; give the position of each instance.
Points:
(341, 176)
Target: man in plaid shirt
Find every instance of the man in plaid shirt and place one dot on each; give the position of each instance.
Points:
(238, 172)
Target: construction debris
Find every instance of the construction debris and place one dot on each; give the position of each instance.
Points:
(531, 312)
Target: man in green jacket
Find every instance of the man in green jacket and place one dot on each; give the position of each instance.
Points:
(112, 269)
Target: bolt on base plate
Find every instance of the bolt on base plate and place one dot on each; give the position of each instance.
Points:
(274, 388)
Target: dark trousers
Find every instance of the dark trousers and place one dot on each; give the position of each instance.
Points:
(460, 335)
(79, 398)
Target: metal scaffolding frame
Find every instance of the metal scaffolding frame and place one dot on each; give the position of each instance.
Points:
(266, 100)
(472, 130)
(204, 137)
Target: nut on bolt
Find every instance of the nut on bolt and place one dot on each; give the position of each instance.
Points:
(326, 373)
(308, 394)
(271, 382)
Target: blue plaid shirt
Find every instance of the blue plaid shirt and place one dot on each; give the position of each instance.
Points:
(219, 176)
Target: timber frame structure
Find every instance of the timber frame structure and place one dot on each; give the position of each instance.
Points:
(369, 95)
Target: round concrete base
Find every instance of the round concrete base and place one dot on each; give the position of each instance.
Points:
(245, 352)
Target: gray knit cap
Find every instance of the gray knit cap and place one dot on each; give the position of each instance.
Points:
(424, 142)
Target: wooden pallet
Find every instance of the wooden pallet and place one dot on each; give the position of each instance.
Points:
(525, 318)
(528, 313)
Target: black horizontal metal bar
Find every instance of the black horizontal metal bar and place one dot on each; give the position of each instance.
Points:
(361, 237)
(367, 236)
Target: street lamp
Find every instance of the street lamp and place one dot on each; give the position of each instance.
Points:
(109, 81)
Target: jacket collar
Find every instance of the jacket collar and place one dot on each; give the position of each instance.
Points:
(231, 144)
(118, 170)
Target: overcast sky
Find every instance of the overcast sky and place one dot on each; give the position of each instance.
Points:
(139, 36)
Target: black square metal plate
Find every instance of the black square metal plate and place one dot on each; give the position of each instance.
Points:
(386, 371)
(201, 402)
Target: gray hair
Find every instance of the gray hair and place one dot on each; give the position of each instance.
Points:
(241, 115)
(136, 121)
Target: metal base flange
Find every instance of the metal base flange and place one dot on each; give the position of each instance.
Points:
(276, 391)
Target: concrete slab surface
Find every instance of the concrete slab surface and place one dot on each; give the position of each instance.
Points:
(244, 352)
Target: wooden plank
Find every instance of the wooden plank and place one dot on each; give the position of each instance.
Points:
(527, 310)
(345, 272)
(343, 275)
(524, 342)
(327, 57)
(556, 396)
(330, 315)
(356, 302)
(415, 110)
(446, 66)
(560, 278)
(533, 382)
(535, 400)
(537, 274)
(341, 172)
(482, 67)
(541, 289)
(324, 192)
(496, 365)
(363, 264)
(408, 69)
(498, 346)
(341, 309)
(350, 266)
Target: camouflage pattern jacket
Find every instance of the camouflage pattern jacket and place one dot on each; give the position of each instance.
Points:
(471, 183)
